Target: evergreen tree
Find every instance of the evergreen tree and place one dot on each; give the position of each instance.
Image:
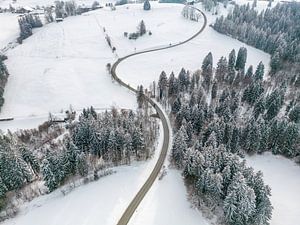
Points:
(142, 28)
(259, 73)
(207, 70)
(30, 159)
(147, 5)
(241, 59)
(81, 164)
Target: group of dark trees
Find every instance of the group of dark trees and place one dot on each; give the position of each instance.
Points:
(3, 78)
(95, 140)
(190, 13)
(274, 30)
(65, 9)
(26, 23)
(141, 30)
(219, 115)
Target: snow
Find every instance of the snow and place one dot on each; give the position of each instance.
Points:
(34, 3)
(282, 175)
(9, 29)
(166, 203)
(163, 20)
(62, 64)
(189, 56)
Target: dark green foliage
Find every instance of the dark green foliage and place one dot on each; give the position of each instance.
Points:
(294, 114)
(147, 5)
(241, 59)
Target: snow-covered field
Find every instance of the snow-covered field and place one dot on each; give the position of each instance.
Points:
(34, 3)
(163, 20)
(189, 56)
(62, 64)
(9, 28)
(282, 175)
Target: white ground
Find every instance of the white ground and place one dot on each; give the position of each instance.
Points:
(62, 64)
(9, 28)
(34, 3)
(189, 56)
(282, 175)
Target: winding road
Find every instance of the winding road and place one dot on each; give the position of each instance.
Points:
(166, 140)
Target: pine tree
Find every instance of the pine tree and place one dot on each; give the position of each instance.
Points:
(232, 59)
(142, 28)
(81, 164)
(3, 189)
(30, 159)
(179, 147)
(240, 202)
(241, 59)
(222, 68)
(259, 73)
(294, 114)
(207, 66)
(147, 5)
(162, 84)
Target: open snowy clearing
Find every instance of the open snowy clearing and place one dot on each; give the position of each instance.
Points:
(165, 22)
(189, 56)
(62, 64)
(9, 28)
(282, 175)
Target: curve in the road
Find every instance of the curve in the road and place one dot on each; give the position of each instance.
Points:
(166, 140)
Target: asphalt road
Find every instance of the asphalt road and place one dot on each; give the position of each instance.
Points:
(166, 140)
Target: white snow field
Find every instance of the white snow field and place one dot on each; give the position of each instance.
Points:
(282, 175)
(62, 64)
(34, 3)
(189, 55)
(9, 28)
(166, 203)
(163, 20)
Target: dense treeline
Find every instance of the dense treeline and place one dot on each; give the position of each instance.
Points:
(92, 142)
(219, 115)
(274, 30)
(26, 23)
(3, 78)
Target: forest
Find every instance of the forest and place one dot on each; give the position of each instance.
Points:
(219, 115)
(275, 31)
(56, 153)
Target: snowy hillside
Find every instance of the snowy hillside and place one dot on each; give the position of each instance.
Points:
(9, 28)
(189, 56)
(60, 65)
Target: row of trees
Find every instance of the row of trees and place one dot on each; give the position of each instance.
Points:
(190, 13)
(274, 30)
(26, 23)
(221, 113)
(89, 144)
(3, 78)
